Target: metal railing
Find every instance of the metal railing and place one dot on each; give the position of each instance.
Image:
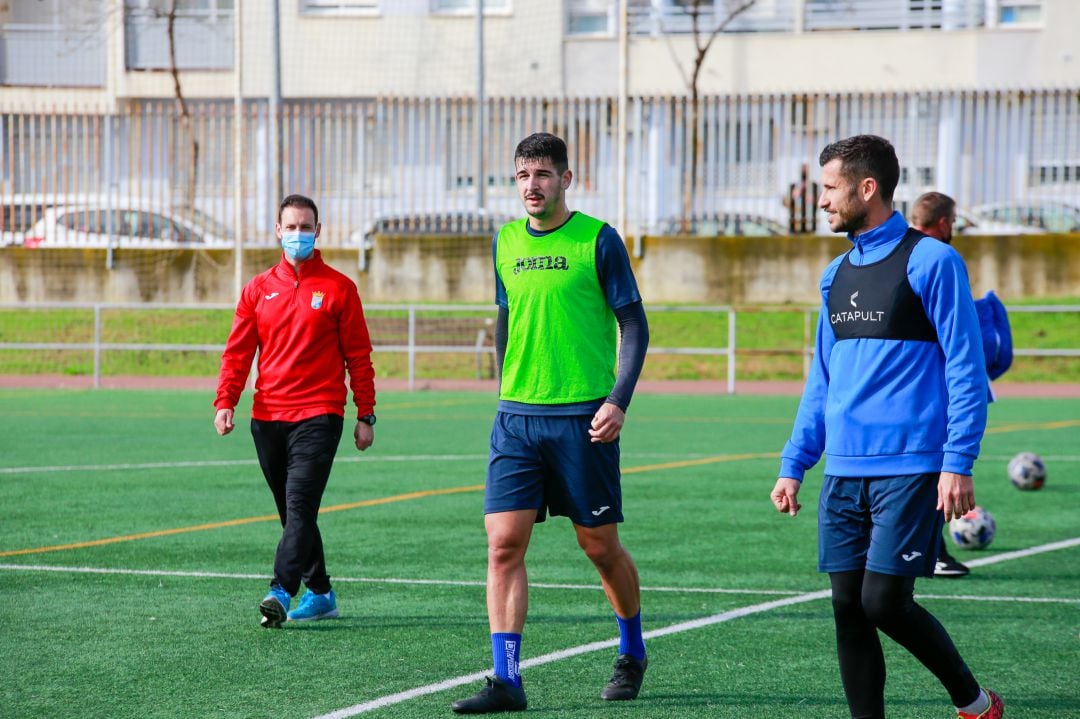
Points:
(367, 159)
(474, 338)
(809, 324)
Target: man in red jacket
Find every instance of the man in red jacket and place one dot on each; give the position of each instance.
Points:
(306, 322)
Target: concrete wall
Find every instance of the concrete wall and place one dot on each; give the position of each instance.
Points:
(721, 270)
(771, 270)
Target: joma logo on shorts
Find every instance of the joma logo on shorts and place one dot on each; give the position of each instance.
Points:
(544, 262)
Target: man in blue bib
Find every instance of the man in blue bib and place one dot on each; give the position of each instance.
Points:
(896, 401)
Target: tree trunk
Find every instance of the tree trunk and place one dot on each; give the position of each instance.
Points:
(691, 179)
(185, 116)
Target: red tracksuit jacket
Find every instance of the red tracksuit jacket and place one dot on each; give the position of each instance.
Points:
(308, 327)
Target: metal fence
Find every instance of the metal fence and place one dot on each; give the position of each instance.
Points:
(415, 330)
(366, 159)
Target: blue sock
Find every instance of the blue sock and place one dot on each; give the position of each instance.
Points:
(506, 650)
(630, 640)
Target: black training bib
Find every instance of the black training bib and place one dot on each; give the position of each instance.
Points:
(876, 300)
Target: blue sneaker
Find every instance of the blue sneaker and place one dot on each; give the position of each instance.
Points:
(315, 606)
(275, 607)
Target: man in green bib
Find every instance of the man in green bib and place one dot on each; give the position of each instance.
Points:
(563, 283)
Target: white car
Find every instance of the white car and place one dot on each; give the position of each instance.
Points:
(968, 223)
(20, 211)
(1036, 215)
(451, 223)
(125, 225)
(727, 224)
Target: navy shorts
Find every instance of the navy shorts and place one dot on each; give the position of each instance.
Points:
(548, 464)
(888, 525)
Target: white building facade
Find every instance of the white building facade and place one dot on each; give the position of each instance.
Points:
(371, 105)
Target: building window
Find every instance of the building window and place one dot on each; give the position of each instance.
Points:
(202, 31)
(590, 17)
(53, 43)
(468, 7)
(673, 17)
(340, 7)
(1020, 12)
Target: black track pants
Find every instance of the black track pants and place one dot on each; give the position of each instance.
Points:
(296, 458)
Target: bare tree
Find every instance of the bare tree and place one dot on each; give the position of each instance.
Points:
(95, 15)
(703, 41)
(185, 115)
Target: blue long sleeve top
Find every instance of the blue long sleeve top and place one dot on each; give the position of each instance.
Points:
(884, 407)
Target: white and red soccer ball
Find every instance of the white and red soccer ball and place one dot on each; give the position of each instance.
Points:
(1027, 471)
(974, 530)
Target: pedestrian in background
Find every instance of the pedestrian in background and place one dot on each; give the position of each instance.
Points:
(934, 214)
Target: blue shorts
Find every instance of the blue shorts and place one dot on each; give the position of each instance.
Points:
(889, 525)
(548, 464)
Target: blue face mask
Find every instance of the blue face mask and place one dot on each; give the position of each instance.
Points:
(298, 245)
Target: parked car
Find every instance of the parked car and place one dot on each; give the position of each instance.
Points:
(440, 223)
(20, 211)
(125, 225)
(730, 224)
(450, 223)
(967, 224)
(1039, 215)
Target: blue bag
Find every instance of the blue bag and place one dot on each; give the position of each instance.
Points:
(996, 334)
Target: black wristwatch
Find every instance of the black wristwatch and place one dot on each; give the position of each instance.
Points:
(368, 419)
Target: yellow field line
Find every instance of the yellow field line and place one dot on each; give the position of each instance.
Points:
(456, 490)
(1063, 424)
(237, 522)
(142, 535)
(351, 505)
(401, 498)
(698, 462)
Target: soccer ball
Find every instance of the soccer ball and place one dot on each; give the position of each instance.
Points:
(1027, 471)
(974, 530)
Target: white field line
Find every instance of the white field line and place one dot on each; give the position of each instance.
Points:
(539, 585)
(391, 699)
(404, 696)
(376, 580)
(584, 648)
(199, 464)
(1049, 457)
(680, 627)
(978, 598)
(235, 463)
(1020, 553)
(982, 562)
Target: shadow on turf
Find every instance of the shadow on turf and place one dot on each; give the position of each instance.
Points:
(835, 706)
(361, 622)
(700, 700)
(1013, 708)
